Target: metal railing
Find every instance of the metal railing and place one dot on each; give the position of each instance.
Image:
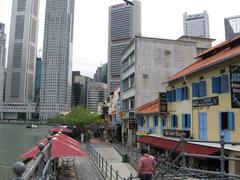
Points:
(104, 166)
(166, 167)
(42, 167)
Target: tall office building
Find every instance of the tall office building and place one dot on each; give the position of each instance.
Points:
(124, 24)
(38, 80)
(101, 74)
(196, 25)
(232, 27)
(22, 52)
(2, 59)
(56, 78)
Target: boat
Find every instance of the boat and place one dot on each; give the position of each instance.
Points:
(33, 126)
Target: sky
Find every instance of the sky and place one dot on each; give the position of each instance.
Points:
(160, 19)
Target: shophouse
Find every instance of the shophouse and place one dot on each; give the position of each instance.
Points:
(203, 103)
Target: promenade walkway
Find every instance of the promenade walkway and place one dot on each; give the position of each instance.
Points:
(112, 156)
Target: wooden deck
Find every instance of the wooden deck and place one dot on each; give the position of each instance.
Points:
(86, 170)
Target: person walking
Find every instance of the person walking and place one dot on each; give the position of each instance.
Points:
(146, 165)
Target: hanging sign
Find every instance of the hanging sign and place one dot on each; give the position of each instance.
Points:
(235, 86)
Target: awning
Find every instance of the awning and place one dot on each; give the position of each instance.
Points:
(164, 143)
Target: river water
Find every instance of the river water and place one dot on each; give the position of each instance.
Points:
(14, 141)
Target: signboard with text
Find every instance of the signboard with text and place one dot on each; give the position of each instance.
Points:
(235, 86)
(209, 101)
(176, 133)
(163, 103)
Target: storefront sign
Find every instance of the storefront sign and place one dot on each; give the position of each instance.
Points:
(209, 101)
(235, 86)
(176, 133)
(163, 103)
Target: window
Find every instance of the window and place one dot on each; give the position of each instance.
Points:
(186, 121)
(141, 121)
(226, 120)
(199, 89)
(178, 94)
(220, 84)
(174, 121)
(155, 120)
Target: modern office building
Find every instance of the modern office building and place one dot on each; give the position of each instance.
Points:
(56, 78)
(38, 80)
(124, 24)
(196, 25)
(232, 27)
(101, 74)
(22, 52)
(2, 60)
(96, 93)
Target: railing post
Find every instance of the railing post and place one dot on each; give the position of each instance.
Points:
(106, 168)
(19, 168)
(111, 172)
(41, 163)
(222, 157)
(131, 177)
(99, 159)
(102, 163)
(116, 175)
(183, 141)
(50, 167)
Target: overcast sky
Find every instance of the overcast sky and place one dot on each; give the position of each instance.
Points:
(160, 19)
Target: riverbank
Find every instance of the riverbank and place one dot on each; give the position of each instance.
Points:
(26, 122)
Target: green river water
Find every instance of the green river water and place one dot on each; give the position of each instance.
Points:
(14, 141)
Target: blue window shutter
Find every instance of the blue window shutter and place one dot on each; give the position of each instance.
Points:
(220, 121)
(176, 121)
(155, 120)
(178, 94)
(224, 84)
(231, 121)
(184, 93)
(195, 89)
(172, 117)
(202, 89)
(188, 121)
(183, 121)
(218, 84)
(214, 85)
(174, 95)
(168, 98)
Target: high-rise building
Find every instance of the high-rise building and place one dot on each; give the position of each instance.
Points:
(2, 60)
(96, 93)
(196, 25)
(22, 52)
(232, 27)
(56, 78)
(101, 74)
(38, 80)
(124, 24)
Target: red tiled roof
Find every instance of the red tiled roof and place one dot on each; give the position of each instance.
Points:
(213, 56)
(149, 108)
(164, 143)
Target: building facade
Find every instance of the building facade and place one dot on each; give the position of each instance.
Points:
(38, 80)
(196, 25)
(2, 60)
(101, 74)
(124, 24)
(22, 52)
(96, 93)
(232, 27)
(56, 77)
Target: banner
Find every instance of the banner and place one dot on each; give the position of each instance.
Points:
(235, 86)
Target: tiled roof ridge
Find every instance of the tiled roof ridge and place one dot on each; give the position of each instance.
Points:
(147, 104)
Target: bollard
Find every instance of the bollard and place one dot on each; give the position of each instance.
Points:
(19, 168)
(99, 159)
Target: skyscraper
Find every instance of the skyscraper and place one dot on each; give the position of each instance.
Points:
(124, 24)
(38, 80)
(2, 59)
(196, 25)
(22, 52)
(56, 77)
(101, 74)
(232, 27)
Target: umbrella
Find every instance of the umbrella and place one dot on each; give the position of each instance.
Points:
(61, 129)
(60, 148)
(67, 139)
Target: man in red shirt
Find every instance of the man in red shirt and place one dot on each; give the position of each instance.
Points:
(146, 165)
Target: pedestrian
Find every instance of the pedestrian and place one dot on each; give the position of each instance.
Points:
(146, 165)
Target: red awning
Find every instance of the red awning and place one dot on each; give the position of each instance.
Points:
(61, 129)
(61, 147)
(163, 143)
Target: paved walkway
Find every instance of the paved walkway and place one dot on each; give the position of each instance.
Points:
(112, 156)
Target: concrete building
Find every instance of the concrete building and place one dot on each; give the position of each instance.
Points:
(38, 80)
(145, 64)
(79, 89)
(96, 93)
(196, 25)
(232, 27)
(22, 52)
(101, 74)
(2, 60)
(124, 24)
(56, 78)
